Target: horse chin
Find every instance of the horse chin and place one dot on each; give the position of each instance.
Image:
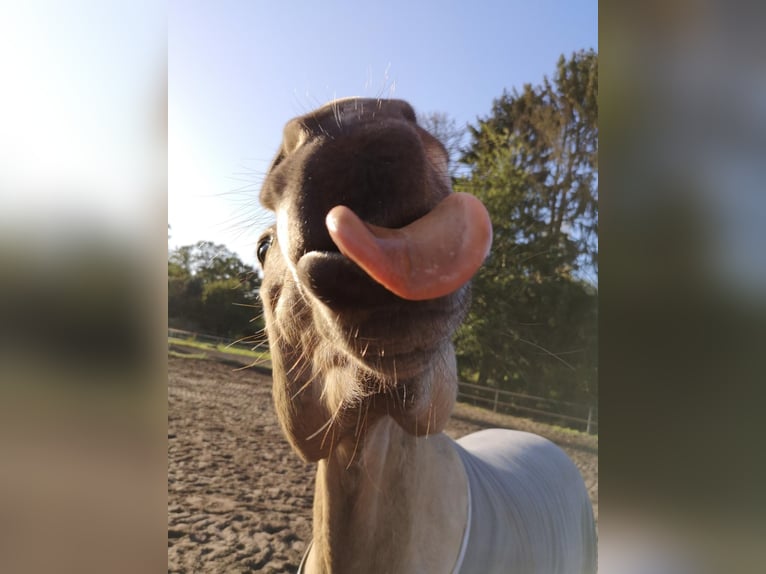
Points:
(427, 420)
(425, 403)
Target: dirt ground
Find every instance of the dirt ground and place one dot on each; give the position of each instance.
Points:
(239, 499)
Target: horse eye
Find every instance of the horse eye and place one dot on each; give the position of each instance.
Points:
(263, 246)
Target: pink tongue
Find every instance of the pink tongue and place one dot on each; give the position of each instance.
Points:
(429, 258)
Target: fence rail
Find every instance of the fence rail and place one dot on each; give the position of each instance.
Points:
(549, 410)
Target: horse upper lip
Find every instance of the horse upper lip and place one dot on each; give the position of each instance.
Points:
(340, 283)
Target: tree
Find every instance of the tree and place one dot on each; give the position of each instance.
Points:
(533, 162)
(554, 130)
(446, 130)
(225, 311)
(212, 290)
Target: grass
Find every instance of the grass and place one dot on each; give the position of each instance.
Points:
(187, 355)
(259, 356)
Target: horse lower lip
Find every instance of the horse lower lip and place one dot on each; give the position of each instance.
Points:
(390, 336)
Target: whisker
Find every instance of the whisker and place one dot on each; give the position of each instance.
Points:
(358, 433)
(308, 383)
(320, 429)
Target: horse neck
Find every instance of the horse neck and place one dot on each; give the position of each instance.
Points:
(395, 503)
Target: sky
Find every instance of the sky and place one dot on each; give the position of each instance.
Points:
(239, 70)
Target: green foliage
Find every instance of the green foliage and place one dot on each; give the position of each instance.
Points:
(223, 309)
(211, 290)
(553, 132)
(533, 162)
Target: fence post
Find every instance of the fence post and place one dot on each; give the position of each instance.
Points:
(494, 407)
(590, 416)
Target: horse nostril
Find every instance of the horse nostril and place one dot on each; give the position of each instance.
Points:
(295, 135)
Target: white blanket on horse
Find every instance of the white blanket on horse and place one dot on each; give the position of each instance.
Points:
(529, 509)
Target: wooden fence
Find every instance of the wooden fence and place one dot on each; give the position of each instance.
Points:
(582, 417)
(579, 416)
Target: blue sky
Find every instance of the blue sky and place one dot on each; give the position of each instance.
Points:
(238, 70)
